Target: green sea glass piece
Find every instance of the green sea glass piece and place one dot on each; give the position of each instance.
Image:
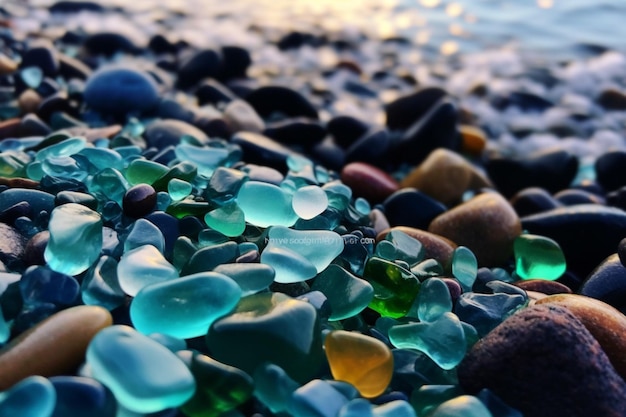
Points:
(229, 220)
(395, 287)
(538, 257)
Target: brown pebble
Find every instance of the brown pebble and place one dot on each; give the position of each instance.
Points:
(29, 101)
(544, 362)
(56, 346)
(368, 181)
(10, 128)
(604, 322)
(486, 224)
(543, 286)
(19, 183)
(473, 140)
(612, 99)
(445, 176)
(7, 65)
(436, 247)
(91, 134)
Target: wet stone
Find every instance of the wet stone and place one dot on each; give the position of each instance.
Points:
(522, 362)
(43, 57)
(406, 110)
(197, 66)
(601, 227)
(371, 148)
(271, 100)
(607, 283)
(553, 170)
(486, 224)
(368, 181)
(56, 346)
(108, 44)
(164, 132)
(543, 286)
(533, 200)
(412, 208)
(12, 246)
(445, 176)
(259, 149)
(120, 90)
(609, 168)
(436, 129)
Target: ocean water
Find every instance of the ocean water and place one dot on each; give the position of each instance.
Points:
(560, 29)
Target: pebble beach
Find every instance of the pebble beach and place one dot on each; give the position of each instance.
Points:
(312, 209)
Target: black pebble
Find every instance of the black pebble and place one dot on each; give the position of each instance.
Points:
(297, 131)
(206, 63)
(259, 149)
(65, 6)
(551, 170)
(607, 283)
(533, 200)
(139, 200)
(213, 92)
(270, 100)
(346, 130)
(409, 207)
(235, 62)
(404, 111)
(372, 147)
(108, 44)
(611, 170)
(43, 57)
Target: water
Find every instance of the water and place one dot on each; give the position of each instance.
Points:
(560, 29)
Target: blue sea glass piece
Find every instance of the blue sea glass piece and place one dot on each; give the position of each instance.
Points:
(266, 204)
(143, 266)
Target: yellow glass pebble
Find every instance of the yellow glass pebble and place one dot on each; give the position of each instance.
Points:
(360, 360)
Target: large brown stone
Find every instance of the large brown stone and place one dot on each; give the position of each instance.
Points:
(486, 224)
(604, 322)
(56, 346)
(445, 176)
(544, 362)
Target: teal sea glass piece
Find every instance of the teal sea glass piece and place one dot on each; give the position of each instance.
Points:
(178, 189)
(359, 407)
(219, 387)
(406, 248)
(309, 201)
(185, 170)
(443, 340)
(224, 185)
(100, 285)
(143, 375)
(66, 167)
(317, 398)
(144, 232)
(184, 307)
(273, 387)
(75, 238)
(347, 294)
(209, 257)
(173, 344)
(32, 76)
(266, 204)
(251, 277)
(464, 267)
(397, 408)
(285, 331)
(395, 287)
(206, 158)
(427, 398)
(464, 405)
(141, 267)
(433, 300)
(102, 158)
(538, 257)
(109, 184)
(229, 220)
(66, 147)
(32, 397)
(312, 250)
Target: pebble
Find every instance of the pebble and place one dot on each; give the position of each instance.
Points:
(120, 90)
(533, 200)
(486, 224)
(522, 362)
(239, 115)
(445, 176)
(345, 130)
(122, 359)
(7, 65)
(297, 131)
(606, 283)
(412, 208)
(12, 246)
(368, 181)
(55, 346)
(600, 226)
(139, 200)
(609, 168)
(604, 322)
(553, 170)
(371, 148)
(435, 129)
(272, 100)
(165, 132)
(543, 286)
(198, 65)
(261, 150)
(108, 44)
(473, 140)
(404, 111)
